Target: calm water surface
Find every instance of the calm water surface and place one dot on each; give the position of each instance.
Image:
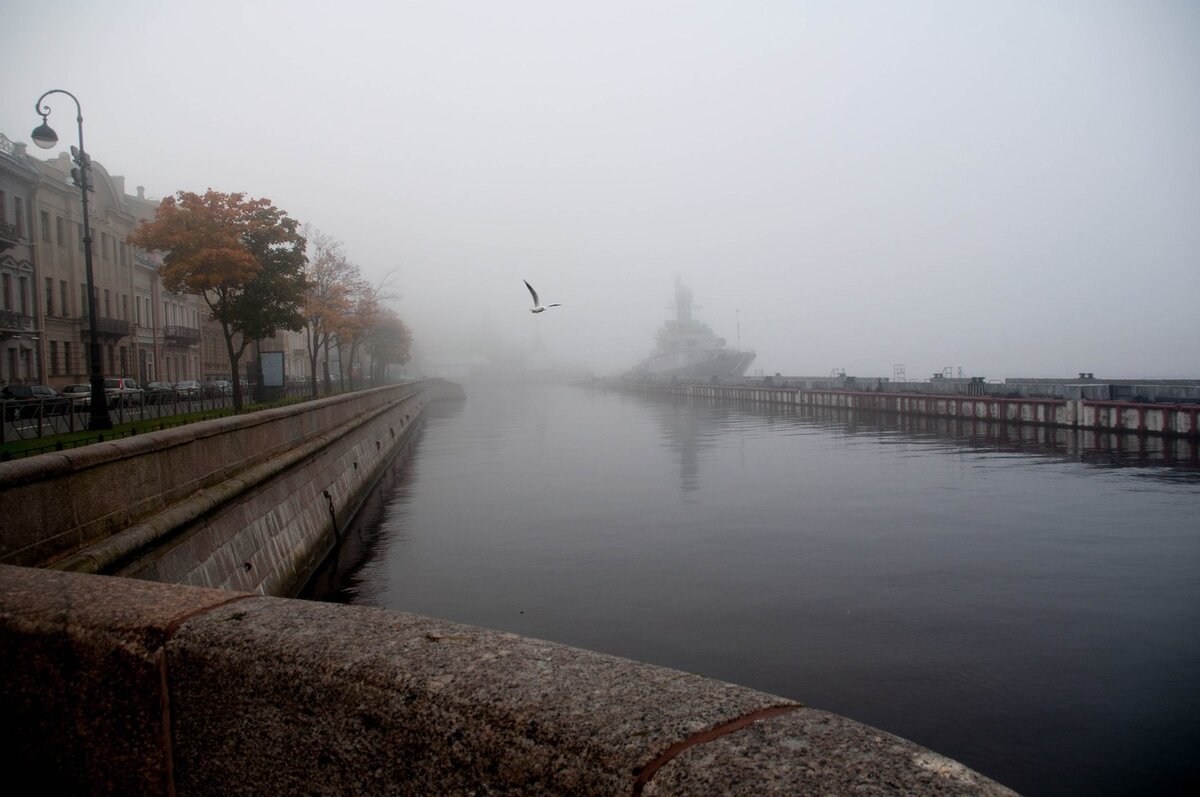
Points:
(1028, 605)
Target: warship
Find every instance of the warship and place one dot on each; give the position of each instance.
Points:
(688, 349)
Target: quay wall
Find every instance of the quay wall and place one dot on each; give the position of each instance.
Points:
(1159, 391)
(121, 686)
(1181, 420)
(251, 502)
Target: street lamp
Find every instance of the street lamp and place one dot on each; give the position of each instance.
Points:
(45, 137)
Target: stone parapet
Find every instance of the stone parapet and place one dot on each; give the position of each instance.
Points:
(250, 502)
(119, 686)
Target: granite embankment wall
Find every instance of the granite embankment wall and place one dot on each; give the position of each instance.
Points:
(121, 686)
(252, 502)
(1182, 420)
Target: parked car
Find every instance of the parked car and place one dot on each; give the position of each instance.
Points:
(188, 389)
(121, 391)
(159, 393)
(217, 388)
(80, 396)
(27, 401)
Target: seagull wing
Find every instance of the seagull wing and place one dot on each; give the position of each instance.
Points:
(532, 292)
(554, 304)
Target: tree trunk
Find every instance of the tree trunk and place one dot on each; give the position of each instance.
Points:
(235, 375)
(314, 351)
(353, 352)
(325, 368)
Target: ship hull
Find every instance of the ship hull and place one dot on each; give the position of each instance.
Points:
(697, 366)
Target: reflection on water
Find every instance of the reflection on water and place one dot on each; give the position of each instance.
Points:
(346, 575)
(683, 432)
(686, 425)
(1021, 598)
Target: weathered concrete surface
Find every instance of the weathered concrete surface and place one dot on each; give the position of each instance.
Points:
(816, 753)
(82, 699)
(115, 686)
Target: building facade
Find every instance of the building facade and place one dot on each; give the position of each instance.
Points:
(144, 332)
(168, 324)
(19, 330)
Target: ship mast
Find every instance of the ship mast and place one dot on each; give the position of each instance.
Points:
(683, 302)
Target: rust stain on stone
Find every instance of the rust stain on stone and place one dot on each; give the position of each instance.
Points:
(646, 773)
(174, 625)
(165, 690)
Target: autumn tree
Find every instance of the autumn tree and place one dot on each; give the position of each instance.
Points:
(389, 342)
(245, 257)
(367, 309)
(333, 282)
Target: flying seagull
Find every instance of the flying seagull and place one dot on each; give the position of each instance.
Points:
(537, 305)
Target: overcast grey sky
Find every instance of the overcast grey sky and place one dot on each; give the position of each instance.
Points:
(1009, 187)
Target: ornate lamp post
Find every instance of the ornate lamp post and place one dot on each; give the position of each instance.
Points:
(45, 137)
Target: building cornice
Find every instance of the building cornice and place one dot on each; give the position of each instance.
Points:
(14, 160)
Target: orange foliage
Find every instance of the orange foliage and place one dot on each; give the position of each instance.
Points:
(204, 237)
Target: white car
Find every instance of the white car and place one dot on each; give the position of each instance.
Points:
(122, 391)
(80, 396)
(188, 389)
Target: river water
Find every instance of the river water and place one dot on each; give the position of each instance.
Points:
(1024, 600)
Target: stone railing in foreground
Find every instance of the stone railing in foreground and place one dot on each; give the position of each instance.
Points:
(120, 686)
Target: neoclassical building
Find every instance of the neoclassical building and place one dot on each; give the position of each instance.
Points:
(168, 324)
(20, 355)
(144, 332)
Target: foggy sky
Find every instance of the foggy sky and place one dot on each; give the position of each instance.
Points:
(1012, 188)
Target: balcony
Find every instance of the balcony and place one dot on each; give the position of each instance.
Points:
(8, 236)
(181, 335)
(110, 327)
(13, 322)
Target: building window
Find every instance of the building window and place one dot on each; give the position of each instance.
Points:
(3, 206)
(19, 215)
(60, 230)
(67, 357)
(108, 310)
(62, 298)
(54, 358)
(49, 296)
(45, 217)
(125, 307)
(23, 297)
(84, 308)
(8, 299)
